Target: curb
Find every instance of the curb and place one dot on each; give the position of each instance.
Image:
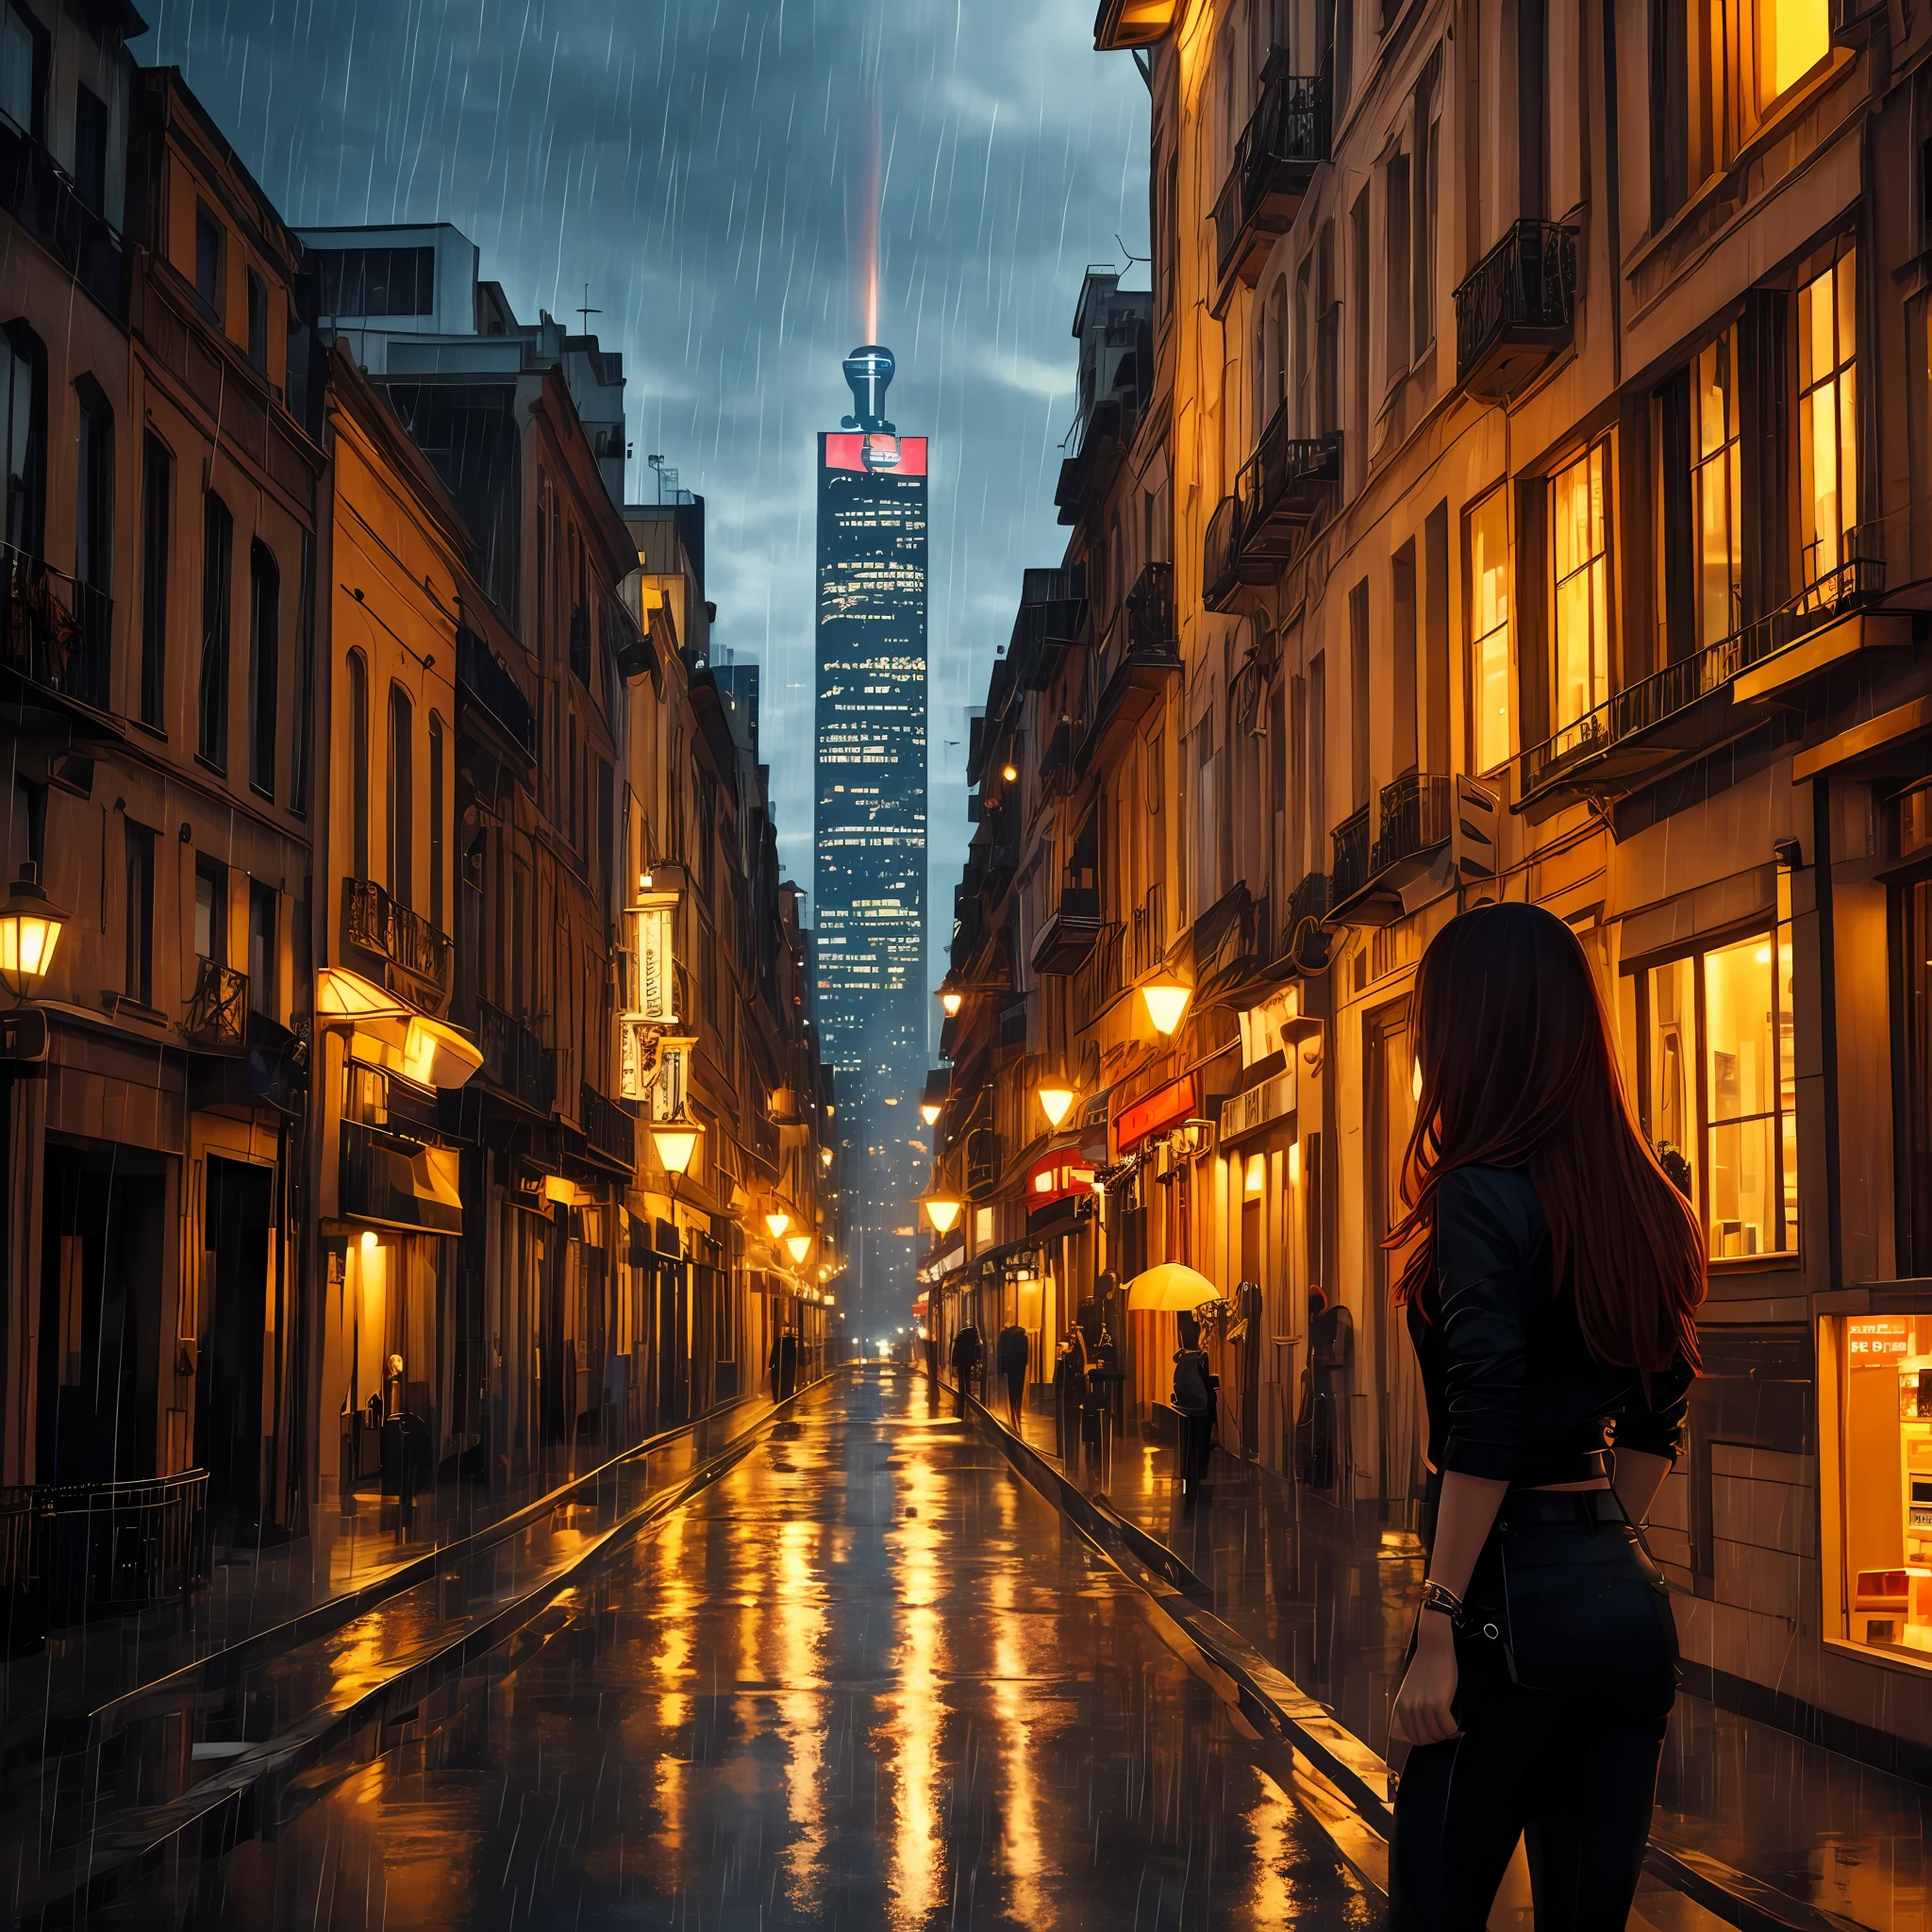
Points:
(1341, 1783)
(244, 1800)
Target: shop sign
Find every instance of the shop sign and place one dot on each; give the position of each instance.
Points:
(1161, 1108)
(649, 984)
(1870, 1339)
(1055, 1177)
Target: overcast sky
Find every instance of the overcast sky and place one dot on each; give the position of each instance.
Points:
(698, 165)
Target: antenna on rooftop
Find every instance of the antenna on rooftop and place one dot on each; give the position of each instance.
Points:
(586, 310)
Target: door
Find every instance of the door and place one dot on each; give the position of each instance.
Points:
(101, 1296)
(1405, 1429)
(234, 1317)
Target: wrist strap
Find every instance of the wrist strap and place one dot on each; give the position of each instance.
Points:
(1438, 1597)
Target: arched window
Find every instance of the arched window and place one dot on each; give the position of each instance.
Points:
(402, 796)
(23, 435)
(358, 765)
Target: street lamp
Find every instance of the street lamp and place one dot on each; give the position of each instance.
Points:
(777, 1222)
(941, 1210)
(1165, 1002)
(1055, 1101)
(677, 1142)
(30, 926)
(799, 1246)
(951, 999)
(824, 1157)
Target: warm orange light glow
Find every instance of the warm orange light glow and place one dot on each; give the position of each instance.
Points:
(928, 1111)
(30, 927)
(676, 1146)
(1056, 1102)
(798, 1246)
(941, 1212)
(1165, 1004)
(952, 1002)
(777, 1222)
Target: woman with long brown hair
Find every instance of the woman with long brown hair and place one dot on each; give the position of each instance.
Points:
(1551, 1284)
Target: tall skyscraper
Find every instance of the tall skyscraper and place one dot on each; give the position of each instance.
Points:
(869, 894)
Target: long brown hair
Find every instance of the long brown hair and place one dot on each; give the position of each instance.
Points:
(1518, 1071)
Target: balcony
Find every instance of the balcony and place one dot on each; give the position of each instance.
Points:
(40, 195)
(1221, 576)
(1711, 696)
(1051, 620)
(1309, 901)
(484, 683)
(1106, 430)
(1139, 656)
(1349, 872)
(1516, 309)
(1056, 767)
(411, 957)
(397, 1182)
(1099, 979)
(218, 1009)
(1120, 25)
(515, 1061)
(1416, 819)
(1275, 161)
(1069, 932)
(609, 1132)
(60, 632)
(1288, 482)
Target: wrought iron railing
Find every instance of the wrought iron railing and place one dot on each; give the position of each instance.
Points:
(1150, 930)
(1220, 554)
(60, 632)
(1287, 475)
(44, 198)
(1528, 281)
(1417, 813)
(607, 1127)
(514, 1060)
(1099, 978)
(1287, 131)
(1309, 900)
(74, 1550)
(1349, 873)
(1641, 706)
(218, 1009)
(372, 921)
(485, 679)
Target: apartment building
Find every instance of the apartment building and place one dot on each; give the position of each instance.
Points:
(1539, 429)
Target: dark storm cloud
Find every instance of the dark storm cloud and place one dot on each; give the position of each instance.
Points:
(696, 165)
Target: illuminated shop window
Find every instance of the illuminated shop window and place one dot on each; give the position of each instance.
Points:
(1719, 1089)
(1579, 526)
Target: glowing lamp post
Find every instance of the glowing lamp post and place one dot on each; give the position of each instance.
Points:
(777, 1222)
(798, 1246)
(941, 1210)
(1056, 1102)
(951, 999)
(30, 927)
(1165, 1004)
(677, 1142)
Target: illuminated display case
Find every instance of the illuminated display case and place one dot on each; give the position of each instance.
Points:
(1882, 1498)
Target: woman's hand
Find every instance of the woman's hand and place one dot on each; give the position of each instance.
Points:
(1422, 1714)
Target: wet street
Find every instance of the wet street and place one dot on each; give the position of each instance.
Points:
(867, 1679)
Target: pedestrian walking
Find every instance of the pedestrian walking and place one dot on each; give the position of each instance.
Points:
(1193, 1402)
(1319, 1439)
(967, 1352)
(1010, 1361)
(784, 1365)
(1551, 1281)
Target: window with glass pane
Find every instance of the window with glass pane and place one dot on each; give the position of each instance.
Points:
(1488, 632)
(1827, 425)
(1716, 490)
(1579, 533)
(1721, 1091)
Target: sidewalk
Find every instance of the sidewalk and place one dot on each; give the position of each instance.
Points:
(1326, 1594)
(253, 1594)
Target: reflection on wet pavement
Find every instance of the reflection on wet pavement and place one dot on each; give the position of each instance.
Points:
(865, 1680)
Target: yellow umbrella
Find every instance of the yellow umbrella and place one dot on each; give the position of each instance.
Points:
(1169, 1287)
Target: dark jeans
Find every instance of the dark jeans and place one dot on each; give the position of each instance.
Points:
(1016, 1391)
(1570, 1768)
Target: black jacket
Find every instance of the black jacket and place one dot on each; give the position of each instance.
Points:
(1010, 1352)
(1514, 1393)
(967, 1350)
